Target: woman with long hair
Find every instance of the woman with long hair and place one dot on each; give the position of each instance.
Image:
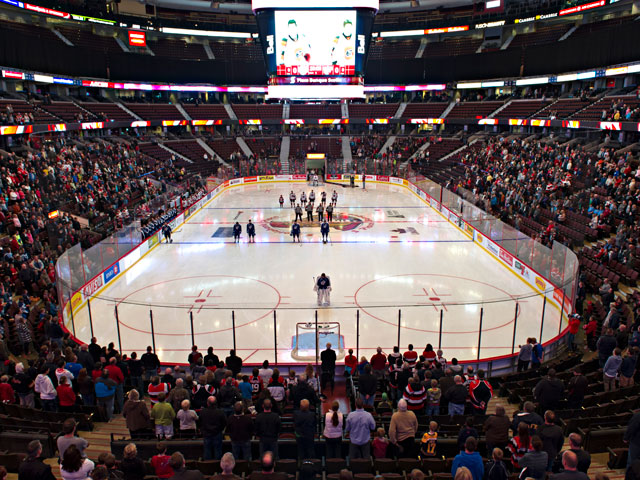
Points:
(73, 466)
(333, 423)
(520, 445)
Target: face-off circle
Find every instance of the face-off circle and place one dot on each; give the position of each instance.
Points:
(203, 296)
(429, 292)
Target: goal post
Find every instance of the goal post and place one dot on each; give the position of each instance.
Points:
(306, 340)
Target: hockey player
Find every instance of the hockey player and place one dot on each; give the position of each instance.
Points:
(343, 51)
(334, 198)
(251, 231)
(281, 200)
(292, 199)
(312, 197)
(315, 179)
(324, 230)
(294, 48)
(330, 212)
(323, 287)
(166, 231)
(309, 209)
(323, 197)
(320, 211)
(295, 231)
(298, 211)
(363, 181)
(303, 199)
(237, 230)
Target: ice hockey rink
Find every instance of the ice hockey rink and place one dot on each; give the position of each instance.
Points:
(389, 253)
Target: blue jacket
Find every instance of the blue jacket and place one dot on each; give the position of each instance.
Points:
(473, 461)
(104, 390)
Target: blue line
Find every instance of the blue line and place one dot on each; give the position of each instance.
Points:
(339, 241)
(289, 208)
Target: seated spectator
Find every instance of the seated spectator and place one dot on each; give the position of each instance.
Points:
(380, 444)
(73, 466)
(178, 465)
(33, 468)
(570, 465)
(227, 464)
(469, 458)
(160, 462)
(131, 465)
(268, 464)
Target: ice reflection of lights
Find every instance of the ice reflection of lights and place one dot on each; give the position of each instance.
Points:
(471, 308)
(200, 247)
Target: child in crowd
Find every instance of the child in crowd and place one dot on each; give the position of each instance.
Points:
(380, 444)
(433, 399)
(429, 441)
(160, 462)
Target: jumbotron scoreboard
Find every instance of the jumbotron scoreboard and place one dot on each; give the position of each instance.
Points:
(315, 48)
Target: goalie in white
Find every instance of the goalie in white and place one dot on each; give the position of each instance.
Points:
(323, 288)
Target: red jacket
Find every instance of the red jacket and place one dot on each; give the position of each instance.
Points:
(378, 361)
(66, 397)
(115, 374)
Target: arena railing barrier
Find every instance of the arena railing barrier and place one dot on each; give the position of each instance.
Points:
(551, 274)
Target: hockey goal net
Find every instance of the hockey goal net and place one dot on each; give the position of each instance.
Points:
(306, 340)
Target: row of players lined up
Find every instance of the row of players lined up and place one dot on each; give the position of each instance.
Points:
(295, 229)
(312, 199)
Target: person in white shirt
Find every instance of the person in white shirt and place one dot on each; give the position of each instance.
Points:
(44, 387)
(265, 373)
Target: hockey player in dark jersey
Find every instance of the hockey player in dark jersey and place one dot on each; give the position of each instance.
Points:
(281, 201)
(295, 231)
(324, 230)
(323, 288)
(166, 231)
(237, 230)
(251, 232)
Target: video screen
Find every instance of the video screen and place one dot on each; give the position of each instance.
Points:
(315, 42)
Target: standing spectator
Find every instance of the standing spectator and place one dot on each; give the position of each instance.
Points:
(240, 429)
(151, 364)
(535, 463)
(213, 421)
(115, 374)
(496, 429)
(571, 472)
(552, 437)
(268, 429)
(415, 395)
(467, 430)
(402, 430)
(333, 423)
(23, 385)
(7, 394)
(367, 386)
(86, 388)
(360, 424)
(549, 391)
(410, 356)
(456, 396)
(575, 446)
(265, 372)
(328, 368)
(496, 469)
(44, 387)
(537, 354)
(305, 426)
(378, 363)
(178, 394)
(136, 414)
(162, 415)
(194, 356)
(233, 362)
(187, 418)
(469, 458)
(632, 437)
(73, 466)
(574, 326)
(69, 438)
(33, 468)
(131, 465)
(524, 356)
(136, 371)
(105, 392)
(577, 388)
(628, 367)
(605, 345)
(178, 465)
(160, 462)
(155, 388)
(434, 393)
(480, 393)
(66, 396)
(520, 445)
(611, 369)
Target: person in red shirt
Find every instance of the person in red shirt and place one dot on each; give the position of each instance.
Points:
(378, 363)
(590, 330)
(160, 462)
(350, 363)
(428, 354)
(574, 326)
(410, 356)
(117, 376)
(66, 397)
(7, 395)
